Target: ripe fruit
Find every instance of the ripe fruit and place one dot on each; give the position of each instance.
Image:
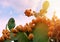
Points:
(18, 28)
(2, 38)
(51, 28)
(5, 36)
(44, 19)
(8, 34)
(50, 34)
(24, 29)
(28, 12)
(30, 37)
(52, 24)
(14, 30)
(38, 19)
(33, 21)
(48, 22)
(21, 27)
(29, 29)
(5, 31)
(31, 25)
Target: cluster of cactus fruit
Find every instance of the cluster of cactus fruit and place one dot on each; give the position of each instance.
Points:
(6, 35)
(54, 30)
(40, 29)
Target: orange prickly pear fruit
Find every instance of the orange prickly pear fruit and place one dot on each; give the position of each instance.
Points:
(24, 29)
(28, 12)
(19, 28)
(29, 29)
(5, 31)
(2, 38)
(30, 37)
(14, 30)
(48, 22)
(51, 28)
(33, 21)
(31, 25)
(50, 34)
(8, 34)
(38, 19)
(44, 20)
(26, 24)
(52, 23)
(5, 36)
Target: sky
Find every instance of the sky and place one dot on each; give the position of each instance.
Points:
(16, 8)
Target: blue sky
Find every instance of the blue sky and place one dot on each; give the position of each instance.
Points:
(16, 8)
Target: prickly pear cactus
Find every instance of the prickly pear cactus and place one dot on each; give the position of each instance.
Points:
(40, 29)
(40, 33)
(11, 23)
(16, 36)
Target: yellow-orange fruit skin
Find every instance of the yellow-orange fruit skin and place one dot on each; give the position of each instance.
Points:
(5, 31)
(24, 29)
(5, 36)
(29, 29)
(1, 39)
(8, 34)
(14, 30)
(48, 22)
(18, 28)
(33, 21)
(31, 25)
(38, 19)
(44, 20)
(21, 27)
(50, 34)
(51, 28)
(28, 12)
(31, 36)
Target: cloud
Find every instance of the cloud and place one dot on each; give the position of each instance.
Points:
(0, 12)
(22, 20)
(19, 5)
(2, 25)
(54, 6)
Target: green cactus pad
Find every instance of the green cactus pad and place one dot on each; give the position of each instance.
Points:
(20, 37)
(7, 41)
(40, 33)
